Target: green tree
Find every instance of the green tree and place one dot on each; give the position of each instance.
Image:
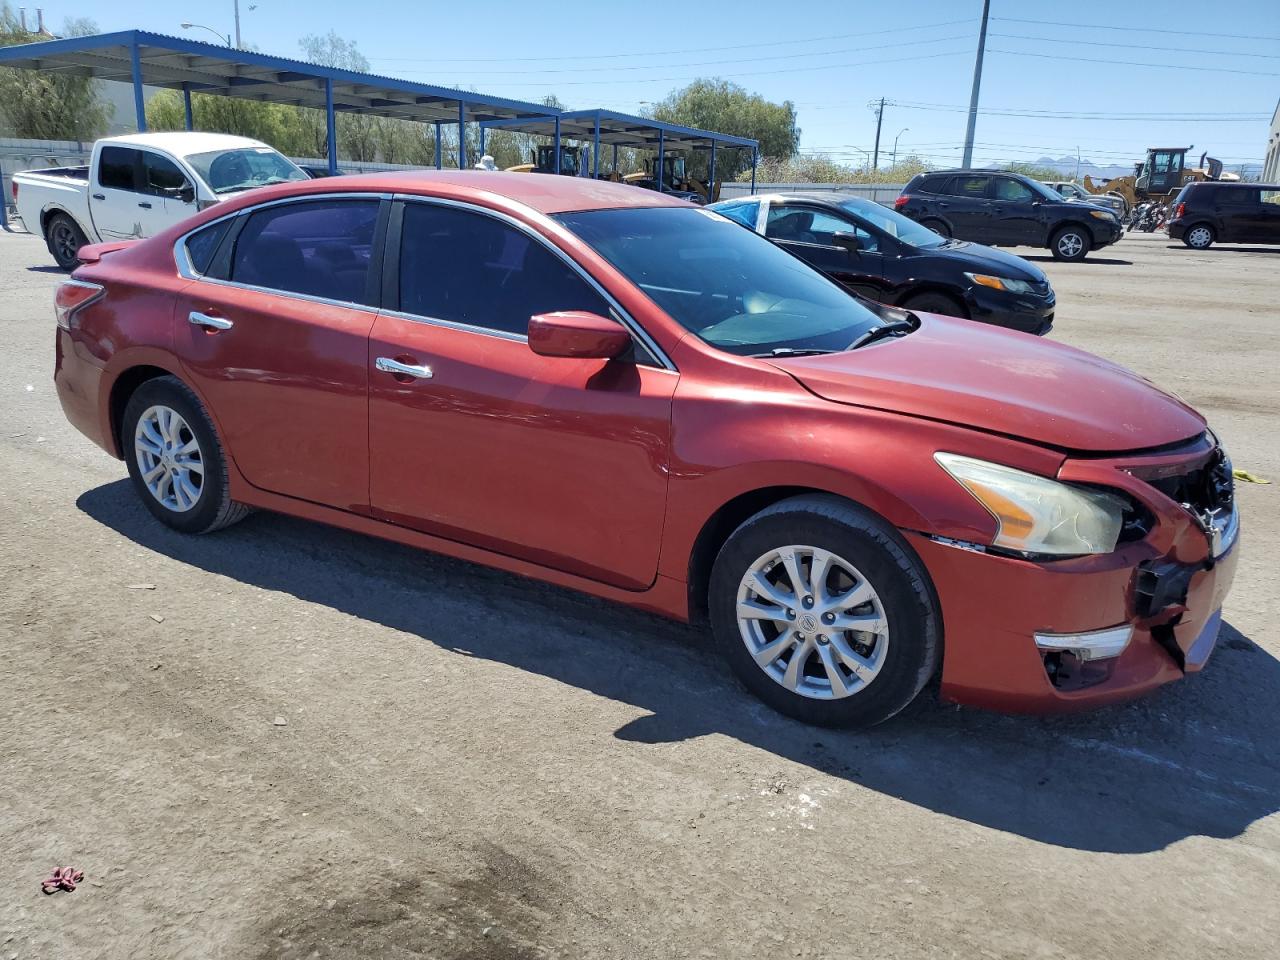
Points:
(728, 108)
(48, 106)
(272, 123)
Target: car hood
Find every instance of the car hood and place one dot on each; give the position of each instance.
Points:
(976, 258)
(1002, 382)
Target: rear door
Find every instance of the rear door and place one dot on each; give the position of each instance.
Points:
(1240, 211)
(810, 231)
(275, 337)
(1269, 221)
(968, 207)
(113, 194)
(1015, 218)
(557, 461)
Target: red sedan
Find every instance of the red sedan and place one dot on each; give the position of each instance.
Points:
(622, 393)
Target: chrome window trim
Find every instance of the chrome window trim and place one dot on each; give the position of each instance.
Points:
(621, 315)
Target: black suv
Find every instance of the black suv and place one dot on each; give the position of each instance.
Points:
(1205, 212)
(1007, 210)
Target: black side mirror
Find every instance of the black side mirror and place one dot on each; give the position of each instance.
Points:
(848, 240)
(187, 193)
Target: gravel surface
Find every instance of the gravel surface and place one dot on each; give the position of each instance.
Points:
(289, 741)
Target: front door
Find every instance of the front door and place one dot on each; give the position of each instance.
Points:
(276, 339)
(558, 461)
(160, 204)
(1015, 216)
(811, 233)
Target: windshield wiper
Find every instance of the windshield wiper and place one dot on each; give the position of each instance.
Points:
(892, 329)
(793, 352)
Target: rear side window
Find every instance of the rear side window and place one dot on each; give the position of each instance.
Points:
(744, 213)
(1237, 197)
(203, 244)
(969, 186)
(116, 166)
(934, 184)
(318, 248)
(469, 268)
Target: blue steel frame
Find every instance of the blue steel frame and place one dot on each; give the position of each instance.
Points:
(222, 67)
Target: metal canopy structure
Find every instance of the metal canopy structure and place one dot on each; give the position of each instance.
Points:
(609, 128)
(156, 60)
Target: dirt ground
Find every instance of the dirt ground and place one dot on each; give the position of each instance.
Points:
(476, 766)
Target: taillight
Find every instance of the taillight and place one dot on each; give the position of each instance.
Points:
(1182, 208)
(73, 295)
(901, 202)
(13, 188)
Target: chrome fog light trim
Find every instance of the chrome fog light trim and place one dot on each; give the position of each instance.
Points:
(1095, 645)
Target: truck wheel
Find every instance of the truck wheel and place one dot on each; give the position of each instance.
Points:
(825, 613)
(64, 238)
(1070, 243)
(1199, 237)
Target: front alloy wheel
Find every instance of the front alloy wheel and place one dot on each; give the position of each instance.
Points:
(812, 622)
(1070, 244)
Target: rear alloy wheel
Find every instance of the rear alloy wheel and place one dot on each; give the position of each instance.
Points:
(1199, 237)
(65, 238)
(1070, 244)
(937, 226)
(936, 303)
(824, 612)
(175, 460)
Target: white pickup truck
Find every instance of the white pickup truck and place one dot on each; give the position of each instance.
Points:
(139, 185)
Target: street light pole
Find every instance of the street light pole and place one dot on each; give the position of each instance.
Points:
(977, 84)
(222, 37)
(895, 145)
(237, 6)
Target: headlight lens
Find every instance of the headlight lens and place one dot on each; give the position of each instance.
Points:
(1000, 283)
(1038, 515)
(1102, 214)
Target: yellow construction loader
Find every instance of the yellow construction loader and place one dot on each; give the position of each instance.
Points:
(1160, 176)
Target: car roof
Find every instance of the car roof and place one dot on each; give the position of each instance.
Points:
(183, 143)
(544, 193)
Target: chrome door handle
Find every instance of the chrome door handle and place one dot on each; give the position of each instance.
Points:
(212, 323)
(99, 196)
(387, 365)
(145, 205)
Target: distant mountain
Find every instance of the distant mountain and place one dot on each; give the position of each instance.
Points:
(1099, 172)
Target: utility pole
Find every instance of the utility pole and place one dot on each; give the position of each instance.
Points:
(977, 84)
(237, 5)
(875, 159)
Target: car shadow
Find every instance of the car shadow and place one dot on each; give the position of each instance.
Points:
(1226, 248)
(46, 269)
(1195, 759)
(1049, 258)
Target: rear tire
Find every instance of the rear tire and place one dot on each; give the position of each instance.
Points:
(1199, 237)
(937, 226)
(936, 303)
(175, 459)
(863, 621)
(64, 239)
(1071, 243)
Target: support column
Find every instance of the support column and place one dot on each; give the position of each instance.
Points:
(438, 163)
(657, 174)
(557, 151)
(186, 106)
(755, 156)
(615, 159)
(482, 132)
(462, 135)
(331, 126)
(139, 105)
(711, 180)
(595, 156)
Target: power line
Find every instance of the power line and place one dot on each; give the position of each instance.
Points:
(1137, 46)
(1109, 26)
(664, 53)
(1135, 63)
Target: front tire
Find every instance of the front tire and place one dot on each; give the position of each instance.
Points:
(1071, 244)
(64, 238)
(1199, 237)
(825, 613)
(175, 459)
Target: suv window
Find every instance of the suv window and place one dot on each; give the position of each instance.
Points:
(319, 248)
(969, 186)
(1008, 189)
(470, 268)
(116, 166)
(160, 175)
(744, 213)
(804, 225)
(1270, 196)
(1237, 196)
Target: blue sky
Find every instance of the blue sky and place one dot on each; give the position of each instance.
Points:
(1085, 82)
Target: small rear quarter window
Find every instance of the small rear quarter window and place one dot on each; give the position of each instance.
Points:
(203, 244)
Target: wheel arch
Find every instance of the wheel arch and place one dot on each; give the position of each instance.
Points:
(1059, 227)
(52, 210)
(124, 386)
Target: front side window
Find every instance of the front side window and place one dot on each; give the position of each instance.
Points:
(970, 186)
(474, 269)
(1270, 196)
(1007, 189)
(161, 176)
(731, 287)
(319, 248)
(116, 166)
(804, 225)
(226, 171)
(892, 223)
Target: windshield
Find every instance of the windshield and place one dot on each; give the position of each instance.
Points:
(226, 171)
(731, 287)
(893, 223)
(1037, 187)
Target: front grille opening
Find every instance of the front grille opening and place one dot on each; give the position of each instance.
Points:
(1205, 489)
(1068, 672)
